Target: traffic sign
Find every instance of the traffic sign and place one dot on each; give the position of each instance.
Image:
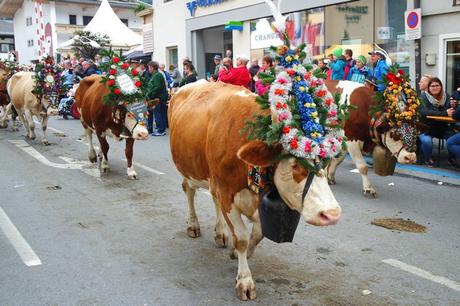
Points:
(413, 24)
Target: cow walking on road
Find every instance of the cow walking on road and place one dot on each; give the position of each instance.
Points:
(27, 105)
(106, 120)
(210, 152)
(357, 130)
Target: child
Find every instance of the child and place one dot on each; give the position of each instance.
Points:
(359, 72)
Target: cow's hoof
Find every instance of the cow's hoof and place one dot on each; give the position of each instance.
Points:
(93, 159)
(193, 231)
(132, 175)
(331, 181)
(245, 288)
(370, 193)
(30, 137)
(221, 240)
(45, 142)
(14, 129)
(233, 254)
(3, 125)
(105, 169)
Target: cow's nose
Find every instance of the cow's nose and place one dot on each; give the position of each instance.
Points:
(410, 158)
(142, 135)
(329, 217)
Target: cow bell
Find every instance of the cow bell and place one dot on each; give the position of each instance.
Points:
(278, 221)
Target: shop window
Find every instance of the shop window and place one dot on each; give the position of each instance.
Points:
(456, 3)
(87, 19)
(452, 65)
(173, 56)
(72, 19)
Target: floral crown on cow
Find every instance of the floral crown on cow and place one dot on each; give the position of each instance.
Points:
(305, 117)
(48, 78)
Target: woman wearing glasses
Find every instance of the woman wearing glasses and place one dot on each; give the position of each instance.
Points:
(435, 102)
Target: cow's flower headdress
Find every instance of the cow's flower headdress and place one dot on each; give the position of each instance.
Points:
(305, 117)
(48, 79)
(124, 82)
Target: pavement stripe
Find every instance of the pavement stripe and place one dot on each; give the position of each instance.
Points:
(21, 246)
(146, 168)
(423, 274)
(50, 128)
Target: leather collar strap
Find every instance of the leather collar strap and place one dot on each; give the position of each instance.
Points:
(310, 177)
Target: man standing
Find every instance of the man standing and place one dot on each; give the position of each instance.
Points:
(167, 76)
(238, 75)
(218, 63)
(380, 68)
(156, 90)
(253, 70)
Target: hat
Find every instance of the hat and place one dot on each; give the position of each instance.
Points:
(377, 52)
(362, 59)
(217, 57)
(338, 52)
(455, 95)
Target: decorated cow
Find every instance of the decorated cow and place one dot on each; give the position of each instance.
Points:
(260, 157)
(32, 93)
(112, 105)
(383, 124)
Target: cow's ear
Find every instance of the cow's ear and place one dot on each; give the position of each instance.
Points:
(118, 115)
(258, 153)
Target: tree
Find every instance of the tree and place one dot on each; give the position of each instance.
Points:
(87, 44)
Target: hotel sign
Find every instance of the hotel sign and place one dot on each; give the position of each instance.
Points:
(193, 5)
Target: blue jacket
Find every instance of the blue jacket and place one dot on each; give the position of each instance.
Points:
(358, 75)
(379, 71)
(169, 80)
(338, 67)
(68, 78)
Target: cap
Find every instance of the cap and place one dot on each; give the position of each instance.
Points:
(362, 59)
(338, 52)
(377, 52)
(455, 95)
(217, 57)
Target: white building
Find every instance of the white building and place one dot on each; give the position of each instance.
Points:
(195, 29)
(60, 19)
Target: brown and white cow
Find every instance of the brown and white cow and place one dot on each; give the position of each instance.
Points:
(4, 98)
(27, 105)
(357, 130)
(205, 121)
(106, 120)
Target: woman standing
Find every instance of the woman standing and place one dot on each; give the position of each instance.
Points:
(434, 103)
(267, 65)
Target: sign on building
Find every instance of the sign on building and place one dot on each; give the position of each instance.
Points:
(147, 38)
(384, 33)
(413, 24)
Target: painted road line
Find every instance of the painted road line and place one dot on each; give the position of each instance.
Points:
(86, 144)
(50, 128)
(87, 167)
(424, 274)
(354, 171)
(21, 246)
(146, 168)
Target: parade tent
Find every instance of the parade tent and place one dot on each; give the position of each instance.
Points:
(107, 22)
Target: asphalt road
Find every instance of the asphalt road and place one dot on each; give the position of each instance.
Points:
(106, 240)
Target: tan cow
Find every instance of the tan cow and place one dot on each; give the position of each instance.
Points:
(209, 151)
(358, 134)
(106, 120)
(27, 105)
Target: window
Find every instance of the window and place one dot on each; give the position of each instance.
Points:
(72, 19)
(456, 3)
(165, 1)
(172, 56)
(28, 21)
(87, 19)
(125, 21)
(452, 65)
(30, 43)
(5, 48)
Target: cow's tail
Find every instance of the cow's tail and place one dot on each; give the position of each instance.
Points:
(82, 88)
(12, 83)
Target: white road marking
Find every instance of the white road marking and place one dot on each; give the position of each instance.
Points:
(86, 144)
(73, 164)
(21, 246)
(50, 128)
(354, 171)
(423, 274)
(146, 168)
(206, 192)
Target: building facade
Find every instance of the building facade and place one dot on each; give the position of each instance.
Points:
(60, 19)
(6, 38)
(196, 29)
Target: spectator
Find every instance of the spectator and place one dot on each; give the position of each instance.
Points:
(379, 68)
(88, 69)
(423, 84)
(349, 63)
(218, 63)
(434, 103)
(175, 75)
(67, 74)
(453, 142)
(337, 65)
(238, 75)
(189, 74)
(229, 53)
(156, 90)
(359, 73)
(253, 70)
(267, 65)
(322, 65)
(169, 80)
(213, 78)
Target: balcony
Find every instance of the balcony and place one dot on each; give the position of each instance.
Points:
(9, 7)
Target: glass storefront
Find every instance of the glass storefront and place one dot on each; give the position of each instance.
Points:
(453, 65)
(356, 26)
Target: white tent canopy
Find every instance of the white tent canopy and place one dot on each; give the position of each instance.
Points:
(107, 22)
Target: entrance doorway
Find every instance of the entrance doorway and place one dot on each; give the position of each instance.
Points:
(215, 42)
(452, 65)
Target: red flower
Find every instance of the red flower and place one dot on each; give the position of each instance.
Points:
(294, 144)
(282, 81)
(329, 102)
(291, 72)
(391, 77)
(321, 93)
(401, 72)
(138, 83)
(308, 147)
(286, 129)
(112, 71)
(124, 66)
(307, 76)
(135, 72)
(115, 60)
(111, 82)
(279, 92)
(117, 91)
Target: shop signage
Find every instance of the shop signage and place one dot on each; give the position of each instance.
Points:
(193, 5)
(234, 26)
(384, 33)
(263, 36)
(413, 24)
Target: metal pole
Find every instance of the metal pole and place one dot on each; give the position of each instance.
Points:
(418, 53)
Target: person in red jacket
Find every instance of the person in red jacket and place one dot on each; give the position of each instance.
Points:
(238, 75)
